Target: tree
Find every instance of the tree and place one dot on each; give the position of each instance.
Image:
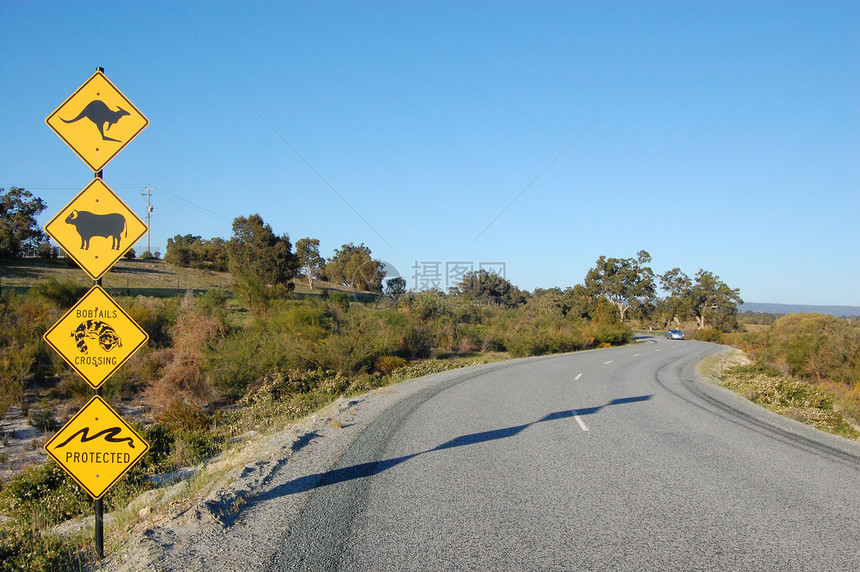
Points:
(714, 302)
(310, 261)
(257, 253)
(195, 252)
(489, 288)
(622, 281)
(676, 305)
(18, 228)
(353, 266)
(395, 287)
(180, 250)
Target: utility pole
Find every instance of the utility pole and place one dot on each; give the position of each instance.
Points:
(148, 194)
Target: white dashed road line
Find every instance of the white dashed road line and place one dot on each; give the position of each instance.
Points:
(579, 420)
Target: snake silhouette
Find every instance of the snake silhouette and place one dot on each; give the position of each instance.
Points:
(110, 436)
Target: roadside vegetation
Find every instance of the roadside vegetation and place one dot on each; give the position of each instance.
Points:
(262, 334)
(804, 366)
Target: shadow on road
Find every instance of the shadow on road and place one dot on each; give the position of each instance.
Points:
(317, 480)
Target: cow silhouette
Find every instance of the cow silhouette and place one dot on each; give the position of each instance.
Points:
(90, 224)
(100, 114)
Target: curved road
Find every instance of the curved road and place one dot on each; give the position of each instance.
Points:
(616, 459)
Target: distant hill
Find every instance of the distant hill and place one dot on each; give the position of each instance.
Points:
(838, 311)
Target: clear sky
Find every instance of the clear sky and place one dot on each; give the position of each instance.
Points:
(540, 135)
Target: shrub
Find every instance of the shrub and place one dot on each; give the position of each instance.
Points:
(43, 495)
(181, 417)
(293, 394)
(213, 303)
(47, 251)
(387, 364)
(16, 362)
(817, 347)
(41, 416)
(154, 315)
(709, 335)
(195, 447)
(426, 367)
(63, 294)
(763, 384)
(240, 360)
(160, 441)
(415, 343)
(23, 548)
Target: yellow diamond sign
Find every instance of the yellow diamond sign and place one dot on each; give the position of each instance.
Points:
(96, 447)
(96, 337)
(97, 121)
(96, 229)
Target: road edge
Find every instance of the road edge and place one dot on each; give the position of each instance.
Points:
(802, 435)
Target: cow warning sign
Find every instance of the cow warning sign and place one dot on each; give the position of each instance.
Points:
(97, 121)
(96, 337)
(96, 447)
(96, 229)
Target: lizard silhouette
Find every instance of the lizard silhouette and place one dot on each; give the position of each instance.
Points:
(100, 114)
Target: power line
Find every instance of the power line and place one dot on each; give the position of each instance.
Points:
(187, 202)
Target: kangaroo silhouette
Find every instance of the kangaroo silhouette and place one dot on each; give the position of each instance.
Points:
(100, 114)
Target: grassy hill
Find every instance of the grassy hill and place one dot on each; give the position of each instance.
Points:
(147, 277)
(130, 274)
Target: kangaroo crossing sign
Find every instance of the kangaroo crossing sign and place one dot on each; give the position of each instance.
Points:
(96, 447)
(97, 121)
(96, 337)
(96, 229)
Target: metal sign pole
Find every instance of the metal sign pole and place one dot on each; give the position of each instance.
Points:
(98, 504)
(94, 101)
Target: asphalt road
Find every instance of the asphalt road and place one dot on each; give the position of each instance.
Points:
(618, 459)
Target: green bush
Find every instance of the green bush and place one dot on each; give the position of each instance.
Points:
(426, 367)
(26, 550)
(43, 495)
(180, 417)
(202, 445)
(414, 343)
(387, 364)
(213, 303)
(241, 360)
(817, 347)
(541, 339)
(160, 441)
(42, 417)
(63, 294)
(763, 384)
(155, 315)
(709, 335)
(758, 368)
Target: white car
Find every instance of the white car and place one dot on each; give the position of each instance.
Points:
(674, 335)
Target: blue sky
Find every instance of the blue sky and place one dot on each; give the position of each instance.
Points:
(715, 135)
